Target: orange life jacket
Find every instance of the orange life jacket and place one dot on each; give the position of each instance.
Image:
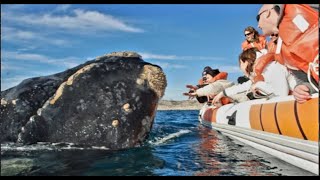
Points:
(263, 61)
(260, 45)
(225, 100)
(299, 33)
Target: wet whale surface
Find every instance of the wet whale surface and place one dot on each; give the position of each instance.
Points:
(108, 102)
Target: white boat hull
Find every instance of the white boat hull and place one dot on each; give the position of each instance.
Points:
(263, 124)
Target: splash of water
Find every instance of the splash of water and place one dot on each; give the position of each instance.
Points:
(170, 136)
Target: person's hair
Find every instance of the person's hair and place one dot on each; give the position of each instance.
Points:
(277, 9)
(242, 79)
(254, 31)
(250, 56)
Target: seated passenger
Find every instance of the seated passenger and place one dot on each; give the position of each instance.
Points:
(253, 39)
(209, 75)
(275, 77)
(272, 44)
(298, 43)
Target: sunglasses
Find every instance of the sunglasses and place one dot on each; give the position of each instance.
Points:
(248, 34)
(258, 16)
(276, 35)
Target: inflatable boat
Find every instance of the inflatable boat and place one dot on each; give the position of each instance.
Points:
(279, 126)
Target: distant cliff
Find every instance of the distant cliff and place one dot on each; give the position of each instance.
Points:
(179, 105)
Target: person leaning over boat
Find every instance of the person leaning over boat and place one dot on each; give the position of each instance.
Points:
(217, 83)
(298, 44)
(209, 75)
(275, 77)
(253, 39)
(206, 79)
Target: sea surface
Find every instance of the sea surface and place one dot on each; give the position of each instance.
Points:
(178, 145)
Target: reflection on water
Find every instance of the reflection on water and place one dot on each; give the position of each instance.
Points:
(221, 157)
(178, 145)
(137, 161)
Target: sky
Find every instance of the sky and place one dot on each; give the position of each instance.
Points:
(39, 40)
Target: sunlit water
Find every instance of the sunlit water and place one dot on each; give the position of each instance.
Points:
(177, 146)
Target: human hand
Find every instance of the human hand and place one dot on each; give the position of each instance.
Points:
(217, 98)
(191, 87)
(301, 93)
(191, 94)
(211, 96)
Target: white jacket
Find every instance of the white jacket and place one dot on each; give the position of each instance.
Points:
(214, 88)
(277, 79)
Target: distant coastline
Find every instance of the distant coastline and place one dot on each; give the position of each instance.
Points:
(179, 105)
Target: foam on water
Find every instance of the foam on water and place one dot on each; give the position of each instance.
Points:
(44, 146)
(170, 136)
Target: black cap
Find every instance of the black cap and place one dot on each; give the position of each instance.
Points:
(212, 72)
(205, 70)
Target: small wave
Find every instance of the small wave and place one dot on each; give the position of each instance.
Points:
(25, 148)
(170, 136)
(45, 146)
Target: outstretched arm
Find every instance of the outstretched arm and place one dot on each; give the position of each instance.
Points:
(191, 87)
(191, 94)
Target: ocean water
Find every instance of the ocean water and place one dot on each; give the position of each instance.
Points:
(178, 145)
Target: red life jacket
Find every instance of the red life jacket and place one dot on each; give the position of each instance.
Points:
(299, 33)
(260, 45)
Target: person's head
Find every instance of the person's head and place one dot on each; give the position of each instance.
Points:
(247, 59)
(251, 34)
(268, 18)
(274, 38)
(209, 73)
